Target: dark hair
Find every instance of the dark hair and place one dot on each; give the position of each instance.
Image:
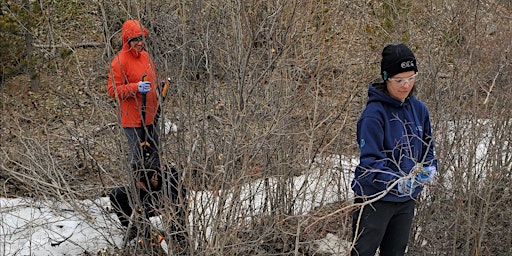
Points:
(144, 172)
(381, 86)
(137, 38)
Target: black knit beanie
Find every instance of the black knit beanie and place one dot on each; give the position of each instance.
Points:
(396, 58)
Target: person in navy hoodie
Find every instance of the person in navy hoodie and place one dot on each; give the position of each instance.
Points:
(396, 157)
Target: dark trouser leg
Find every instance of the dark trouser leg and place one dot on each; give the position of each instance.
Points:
(135, 136)
(122, 204)
(384, 224)
(120, 201)
(399, 227)
(370, 224)
(154, 141)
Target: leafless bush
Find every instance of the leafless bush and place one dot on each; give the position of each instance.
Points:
(467, 90)
(266, 94)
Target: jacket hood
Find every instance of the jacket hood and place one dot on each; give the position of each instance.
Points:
(131, 29)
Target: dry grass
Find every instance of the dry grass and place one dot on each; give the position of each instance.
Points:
(261, 91)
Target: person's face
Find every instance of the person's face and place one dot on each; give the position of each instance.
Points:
(400, 85)
(137, 44)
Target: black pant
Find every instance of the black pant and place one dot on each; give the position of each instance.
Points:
(171, 196)
(382, 224)
(123, 203)
(144, 143)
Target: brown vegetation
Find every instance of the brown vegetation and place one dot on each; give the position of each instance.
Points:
(263, 89)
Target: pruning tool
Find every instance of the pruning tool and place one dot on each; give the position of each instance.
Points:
(143, 110)
(164, 88)
(145, 142)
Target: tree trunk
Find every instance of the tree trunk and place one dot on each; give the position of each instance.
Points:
(34, 76)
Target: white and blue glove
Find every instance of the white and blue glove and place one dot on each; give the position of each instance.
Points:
(144, 87)
(407, 186)
(426, 175)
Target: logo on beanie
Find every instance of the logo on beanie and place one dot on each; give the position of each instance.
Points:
(407, 64)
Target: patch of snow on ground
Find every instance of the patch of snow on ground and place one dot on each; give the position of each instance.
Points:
(31, 227)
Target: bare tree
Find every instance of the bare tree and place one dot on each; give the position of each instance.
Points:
(264, 102)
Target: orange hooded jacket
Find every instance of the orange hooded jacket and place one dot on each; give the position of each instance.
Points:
(127, 69)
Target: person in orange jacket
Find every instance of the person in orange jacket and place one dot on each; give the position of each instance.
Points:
(132, 79)
(132, 76)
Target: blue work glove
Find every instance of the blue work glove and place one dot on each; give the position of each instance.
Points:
(426, 175)
(407, 186)
(144, 87)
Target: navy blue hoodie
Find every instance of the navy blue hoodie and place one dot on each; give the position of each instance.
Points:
(393, 136)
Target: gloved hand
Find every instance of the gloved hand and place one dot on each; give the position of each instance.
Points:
(426, 175)
(144, 87)
(407, 186)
